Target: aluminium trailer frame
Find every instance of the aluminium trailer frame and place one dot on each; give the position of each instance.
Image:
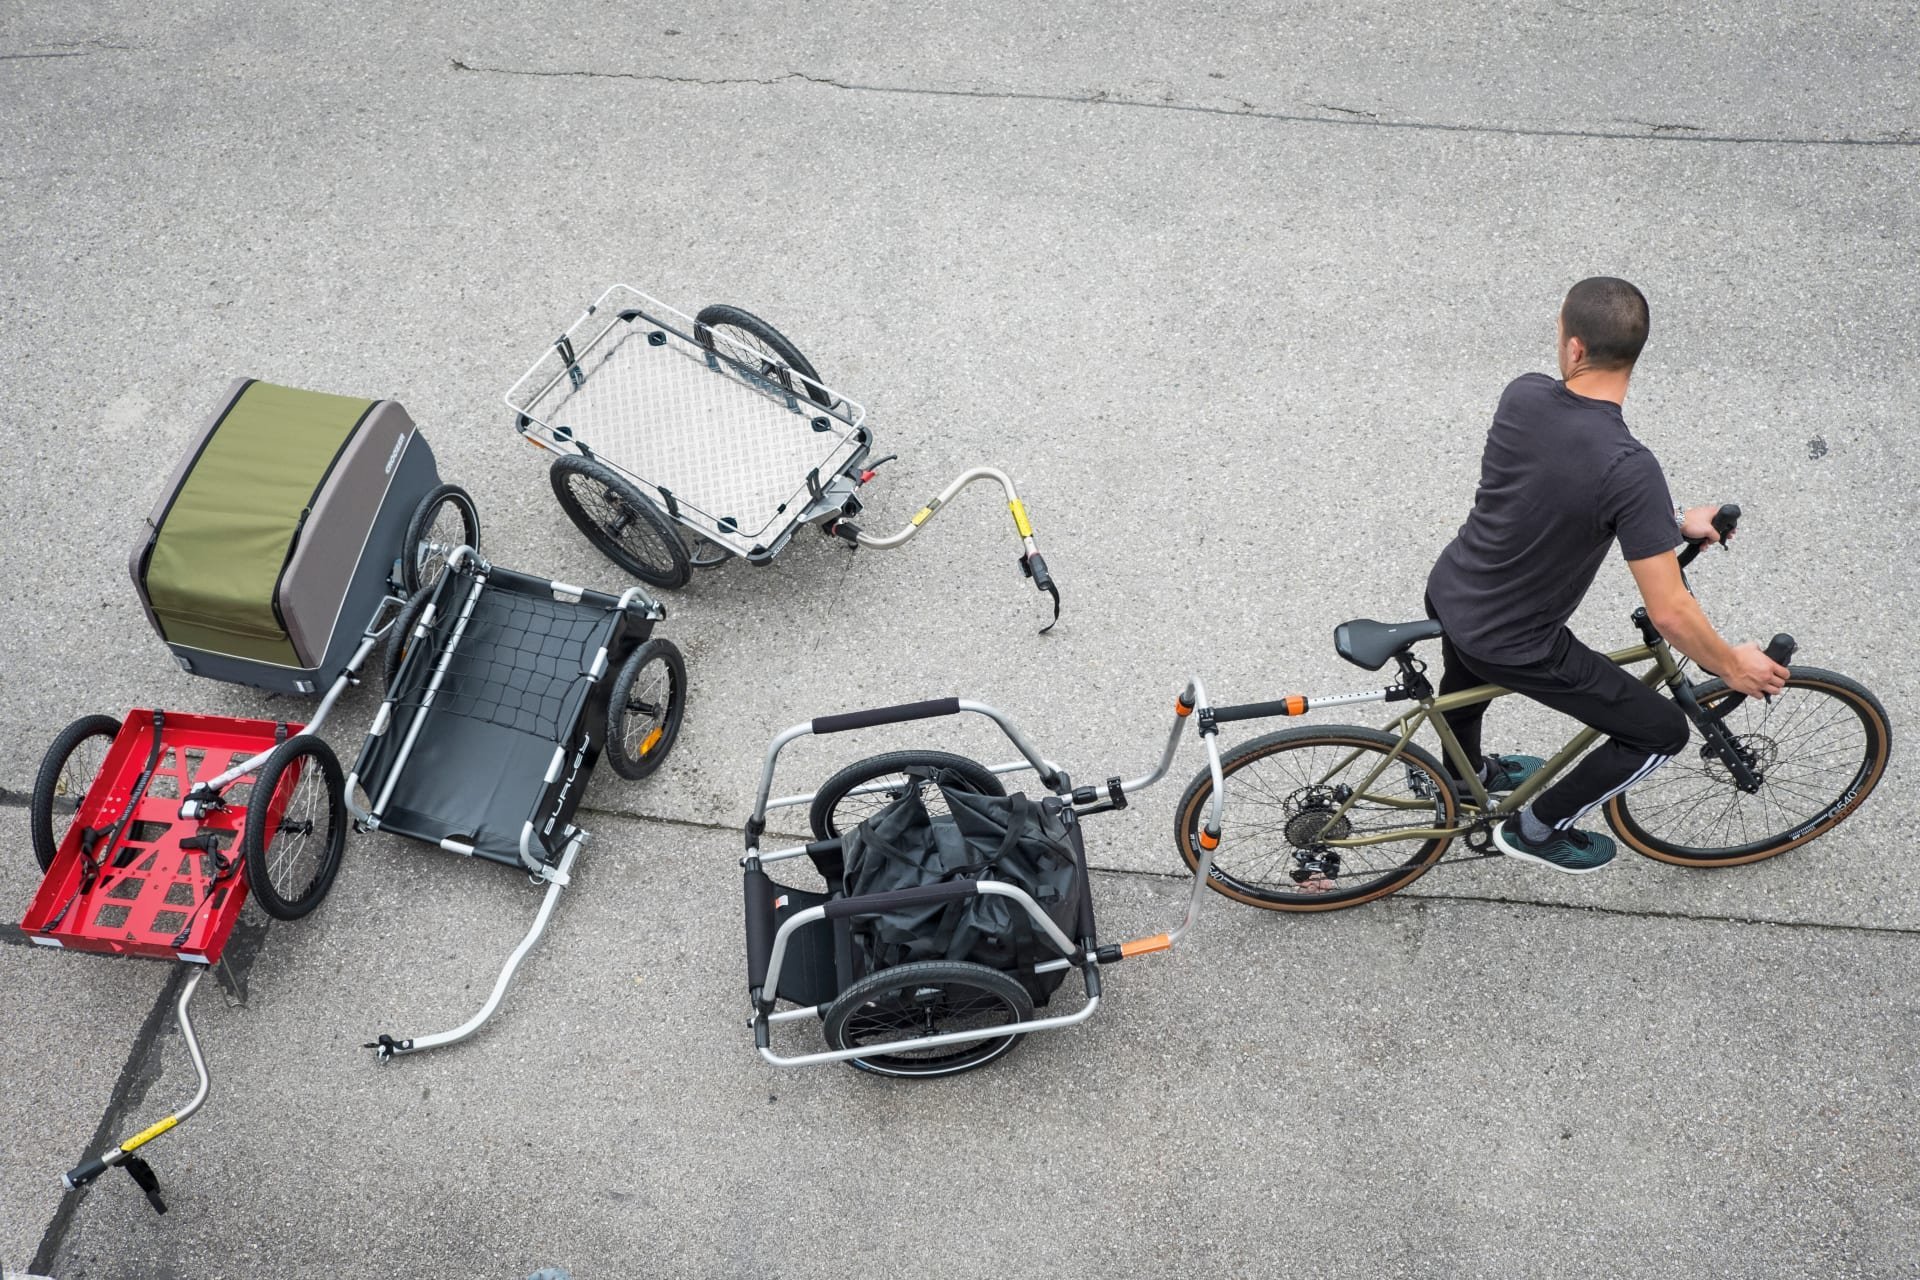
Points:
(713, 433)
(768, 946)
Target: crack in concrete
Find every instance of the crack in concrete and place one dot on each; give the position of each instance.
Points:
(70, 49)
(1668, 133)
(1489, 899)
(1346, 111)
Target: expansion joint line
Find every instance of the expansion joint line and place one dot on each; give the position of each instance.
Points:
(1344, 117)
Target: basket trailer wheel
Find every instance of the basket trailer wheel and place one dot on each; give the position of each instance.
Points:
(445, 521)
(620, 520)
(644, 709)
(66, 771)
(745, 335)
(291, 863)
(927, 998)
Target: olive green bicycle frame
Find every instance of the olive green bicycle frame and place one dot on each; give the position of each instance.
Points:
(1432, 710)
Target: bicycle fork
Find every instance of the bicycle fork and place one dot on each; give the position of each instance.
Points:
(1717, 743)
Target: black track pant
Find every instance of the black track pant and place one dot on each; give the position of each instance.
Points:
(1645, 728)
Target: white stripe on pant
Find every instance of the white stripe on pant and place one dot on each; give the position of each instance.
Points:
(1653, 762)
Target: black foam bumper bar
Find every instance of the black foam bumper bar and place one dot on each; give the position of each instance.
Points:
(760, 927)
(887, 715)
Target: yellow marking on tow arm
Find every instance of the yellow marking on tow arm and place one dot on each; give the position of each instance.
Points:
(922, 516)
(147, 1135)
(1019, 510)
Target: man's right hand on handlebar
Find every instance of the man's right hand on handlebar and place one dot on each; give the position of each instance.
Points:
(1753, 673)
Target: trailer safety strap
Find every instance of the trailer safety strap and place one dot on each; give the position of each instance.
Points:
(223, 866)
(1035, 567)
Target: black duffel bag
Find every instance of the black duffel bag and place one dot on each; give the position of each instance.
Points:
(1034, 845)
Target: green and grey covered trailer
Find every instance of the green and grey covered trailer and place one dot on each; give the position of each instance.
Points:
(289, 519)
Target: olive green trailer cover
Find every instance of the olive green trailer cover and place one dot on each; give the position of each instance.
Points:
(270, 546)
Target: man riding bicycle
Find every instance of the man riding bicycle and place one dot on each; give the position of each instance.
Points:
(1562, 479)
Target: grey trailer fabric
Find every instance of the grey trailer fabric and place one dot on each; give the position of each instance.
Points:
(512, 732)
(313, 588)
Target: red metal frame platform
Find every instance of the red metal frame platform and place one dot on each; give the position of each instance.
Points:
(139, 906)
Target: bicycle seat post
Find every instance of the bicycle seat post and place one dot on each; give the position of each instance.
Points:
(1413, 684)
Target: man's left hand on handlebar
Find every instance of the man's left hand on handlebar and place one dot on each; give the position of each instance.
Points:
(1696, 523)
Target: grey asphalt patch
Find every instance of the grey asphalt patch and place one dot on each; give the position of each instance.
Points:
(1239, 358)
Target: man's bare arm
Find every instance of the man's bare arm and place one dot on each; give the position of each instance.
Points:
(1679, 618)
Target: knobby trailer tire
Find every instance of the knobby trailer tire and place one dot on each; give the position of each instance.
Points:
(659, 726)
(621, 521)
(431, 536)
(927, 997)
(769, 343)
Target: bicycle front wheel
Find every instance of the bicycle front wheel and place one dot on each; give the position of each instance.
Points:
(1819, 746)
(1287, 797)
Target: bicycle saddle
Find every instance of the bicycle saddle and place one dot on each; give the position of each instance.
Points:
(1369, 644)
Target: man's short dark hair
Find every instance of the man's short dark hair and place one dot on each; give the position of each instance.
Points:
(1610, 317)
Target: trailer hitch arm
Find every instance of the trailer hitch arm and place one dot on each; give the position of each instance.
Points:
(1032, 564)
(123, 1155)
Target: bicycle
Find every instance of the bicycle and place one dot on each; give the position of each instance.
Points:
(1343, 802)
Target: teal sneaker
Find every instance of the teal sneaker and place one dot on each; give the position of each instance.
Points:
(1574, 852)
(1506, 773)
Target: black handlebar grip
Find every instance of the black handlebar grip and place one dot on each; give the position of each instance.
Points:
(1781, 648)
(86, 1173)
(1725, 521)
(922, 895)
(887, 715)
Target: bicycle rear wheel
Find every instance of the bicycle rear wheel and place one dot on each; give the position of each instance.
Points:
(1820, 747)
(1283, 791)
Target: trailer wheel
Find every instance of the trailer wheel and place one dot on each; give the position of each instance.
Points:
(645, 708)
(296, 827)
(445, 521)
(66, 772)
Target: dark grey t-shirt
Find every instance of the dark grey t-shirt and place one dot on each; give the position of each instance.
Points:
(1560, 480)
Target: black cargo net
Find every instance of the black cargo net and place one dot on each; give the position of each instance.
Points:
(518, 661)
